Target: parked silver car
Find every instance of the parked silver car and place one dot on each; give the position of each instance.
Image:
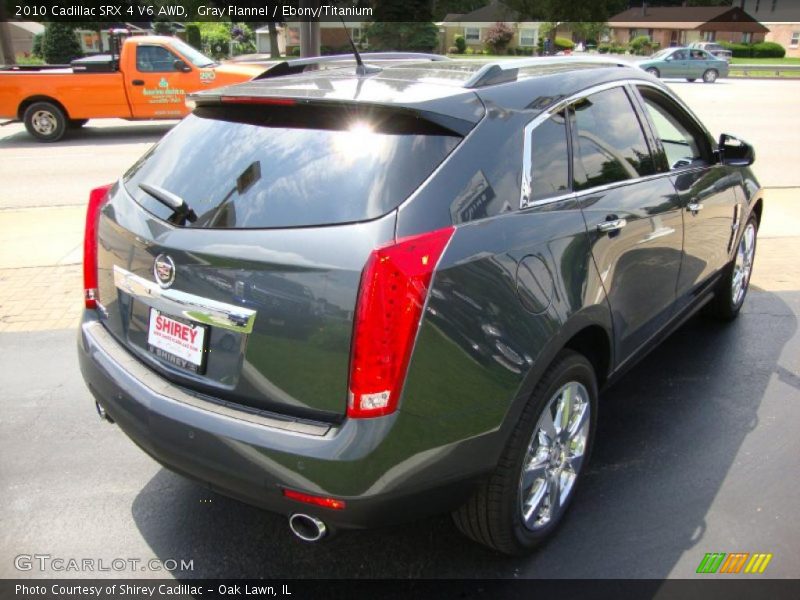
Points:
(715, 49)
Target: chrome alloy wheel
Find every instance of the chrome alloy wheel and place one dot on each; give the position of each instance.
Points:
(743, 265)
(44, 122)
(555, 455)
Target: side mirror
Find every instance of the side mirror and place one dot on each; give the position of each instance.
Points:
(735, 152)
(179, 65)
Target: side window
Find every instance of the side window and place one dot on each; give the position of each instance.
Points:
(682, 147)
(609, 143)
(679, 55)
(154, 59)
(549, 158)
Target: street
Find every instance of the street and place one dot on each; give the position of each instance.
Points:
(694, 449)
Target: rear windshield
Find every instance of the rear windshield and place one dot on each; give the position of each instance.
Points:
(262, 167)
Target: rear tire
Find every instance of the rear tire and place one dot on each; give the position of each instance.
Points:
(653, 71)
(45, 121)
(526, 497)
(732, 288)
(691, 79)
(710, 76)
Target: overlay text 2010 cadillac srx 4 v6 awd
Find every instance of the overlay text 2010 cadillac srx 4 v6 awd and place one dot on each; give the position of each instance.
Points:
(362, 294)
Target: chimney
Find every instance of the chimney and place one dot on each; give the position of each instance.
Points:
(644, 9)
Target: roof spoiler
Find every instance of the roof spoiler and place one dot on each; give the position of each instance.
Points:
(300, 65)
(503, 71)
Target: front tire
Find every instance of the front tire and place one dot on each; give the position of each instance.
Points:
(653, 71)
(710, 76)
(732, 288)
(45, 121)
(526, 497)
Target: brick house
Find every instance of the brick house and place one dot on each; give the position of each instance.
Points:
(680, 25)
(475, 25)
(782, 17)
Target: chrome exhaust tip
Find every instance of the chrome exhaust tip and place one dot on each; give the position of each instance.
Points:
(307, 528)
(103, 413)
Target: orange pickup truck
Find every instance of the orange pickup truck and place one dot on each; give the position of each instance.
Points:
(147, 77)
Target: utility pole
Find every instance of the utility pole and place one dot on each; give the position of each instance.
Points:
(7, 56)
(309, 32)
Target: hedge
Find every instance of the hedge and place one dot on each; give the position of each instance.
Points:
(759, 50)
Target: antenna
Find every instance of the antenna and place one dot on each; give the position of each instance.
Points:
(361, 68)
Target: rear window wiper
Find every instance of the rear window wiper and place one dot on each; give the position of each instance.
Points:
(181, 212)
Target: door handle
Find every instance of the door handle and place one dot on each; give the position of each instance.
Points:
(612, 225)
(694, 207)
(137, 82)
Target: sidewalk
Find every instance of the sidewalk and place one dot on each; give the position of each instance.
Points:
(41, 249)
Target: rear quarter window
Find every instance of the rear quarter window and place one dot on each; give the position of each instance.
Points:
(256, 168)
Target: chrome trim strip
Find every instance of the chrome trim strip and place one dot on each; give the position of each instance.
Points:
(527, 185)
(192, 307)
(123, 360)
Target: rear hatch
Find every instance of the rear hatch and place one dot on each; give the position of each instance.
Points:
(250, 299)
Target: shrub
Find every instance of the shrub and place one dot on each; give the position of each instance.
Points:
(768, 50)
(738, 50)
(60, 45)
(524, 51)
(162, 26)
(641, 45)
(564, 44)
(452, 50)
(497, 37)
(193, 36)
(461, 44)
(294, 51)
(604, 48)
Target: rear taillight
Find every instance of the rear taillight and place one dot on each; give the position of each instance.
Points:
(97, 198)
(394, 286)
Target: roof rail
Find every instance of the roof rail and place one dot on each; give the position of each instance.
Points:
(299, 65)
(503, 71)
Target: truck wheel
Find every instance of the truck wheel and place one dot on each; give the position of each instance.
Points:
(77, 123)
(45, 121)
(526, 497)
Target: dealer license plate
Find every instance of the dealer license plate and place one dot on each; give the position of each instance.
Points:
(177, 342)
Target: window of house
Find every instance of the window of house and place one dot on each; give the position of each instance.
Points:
(747, 38)
(356, 34)
(609, 143)
(472, 34)
(527, 37)
(795, 41)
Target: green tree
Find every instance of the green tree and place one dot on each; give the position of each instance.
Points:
(61, 45)
(161, 26)
(193, 36)
(414, 36)
(36, 50)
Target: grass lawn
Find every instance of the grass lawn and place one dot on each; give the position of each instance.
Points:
(766, 61)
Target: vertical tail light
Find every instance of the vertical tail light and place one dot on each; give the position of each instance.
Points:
(97, 198)
(394, 286)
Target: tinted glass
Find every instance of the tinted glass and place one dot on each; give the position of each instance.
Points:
(681, 147)
(610, 145)
(549, 158)
(679, 55)
(255, 169)
(154, 59)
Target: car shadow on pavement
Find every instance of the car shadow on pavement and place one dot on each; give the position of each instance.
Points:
(668, 434)
(99, 135)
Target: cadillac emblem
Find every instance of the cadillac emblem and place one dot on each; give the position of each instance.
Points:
(164, 270)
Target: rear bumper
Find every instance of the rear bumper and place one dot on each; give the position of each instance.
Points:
(375, 465)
